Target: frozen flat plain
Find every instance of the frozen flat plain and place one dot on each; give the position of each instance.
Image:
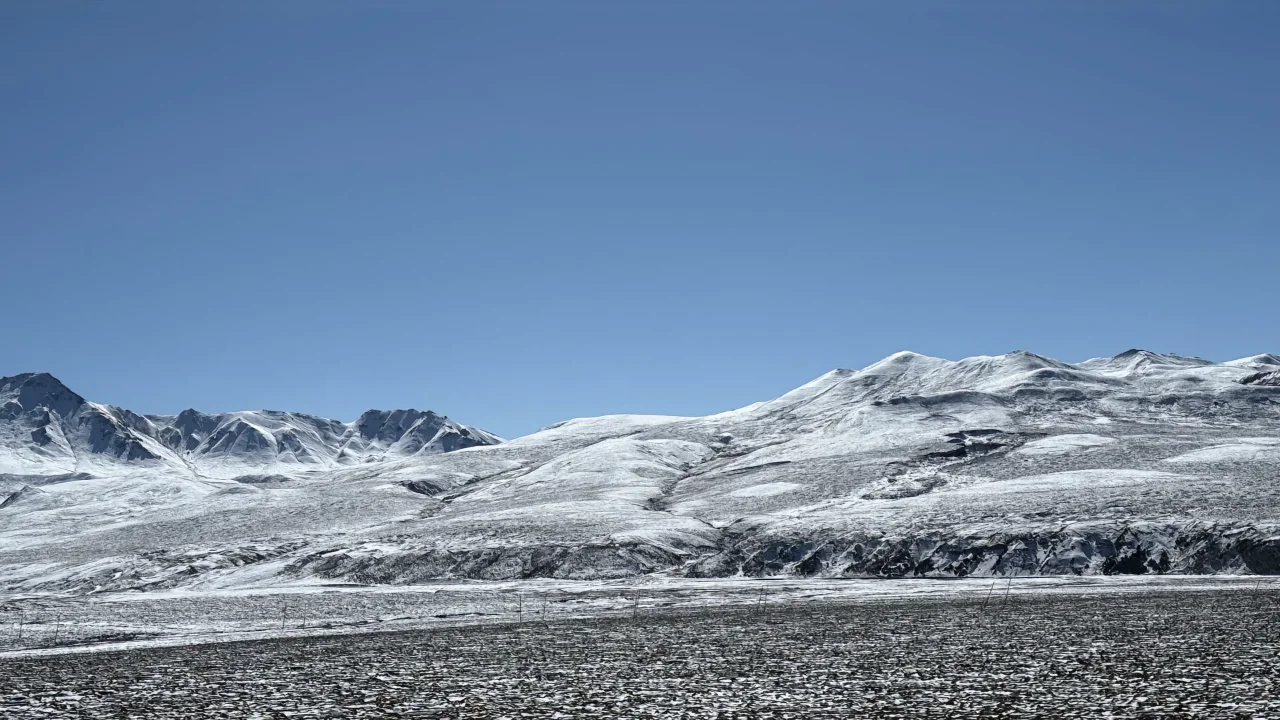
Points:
(1104, 647)
(55, 624)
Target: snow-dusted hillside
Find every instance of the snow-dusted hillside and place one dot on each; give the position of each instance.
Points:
(1009, 464)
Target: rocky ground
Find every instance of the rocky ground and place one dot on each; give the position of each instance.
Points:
(1154, 654)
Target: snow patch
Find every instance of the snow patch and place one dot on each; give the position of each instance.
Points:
(1243, 451)
(766, 489)
(1062, 444)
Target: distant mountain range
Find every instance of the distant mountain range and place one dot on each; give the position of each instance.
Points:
(47, 428)
(992, 465)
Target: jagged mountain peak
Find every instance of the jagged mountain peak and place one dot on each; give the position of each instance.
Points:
(29, 377)
(29, 391)
(390, 424)
(47, 428)
(187, 430)
(193, 419)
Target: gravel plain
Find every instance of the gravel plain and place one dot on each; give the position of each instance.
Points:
(1134, 655)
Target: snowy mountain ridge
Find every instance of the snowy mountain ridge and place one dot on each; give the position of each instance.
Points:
(914, 465)
(47, 428)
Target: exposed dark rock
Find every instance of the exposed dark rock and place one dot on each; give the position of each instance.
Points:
(424, 487)
(109, 437)
(264, 480)
(25, 491)
(566, 562)
(1266, 379)
(1140, 548)
(33, 390)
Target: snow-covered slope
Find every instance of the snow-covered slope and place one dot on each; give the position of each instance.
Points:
(1007, 464)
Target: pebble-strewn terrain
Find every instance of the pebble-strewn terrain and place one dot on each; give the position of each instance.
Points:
(1160, 654)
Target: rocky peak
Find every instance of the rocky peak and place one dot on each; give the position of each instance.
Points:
(29, 391)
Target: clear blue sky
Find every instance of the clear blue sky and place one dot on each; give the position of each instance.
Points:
(518, 213)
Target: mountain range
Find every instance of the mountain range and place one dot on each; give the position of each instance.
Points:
(47, 429)
(1012, 464)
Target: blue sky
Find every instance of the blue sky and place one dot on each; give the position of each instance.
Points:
(516, 213)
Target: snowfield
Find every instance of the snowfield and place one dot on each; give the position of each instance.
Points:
(1008, 465)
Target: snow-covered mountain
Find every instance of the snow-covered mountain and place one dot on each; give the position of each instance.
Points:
(46, 429)
(1007, 464)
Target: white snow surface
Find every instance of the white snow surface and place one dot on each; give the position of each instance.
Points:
(1064, 444)
(98, 499)
(1244, 450)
